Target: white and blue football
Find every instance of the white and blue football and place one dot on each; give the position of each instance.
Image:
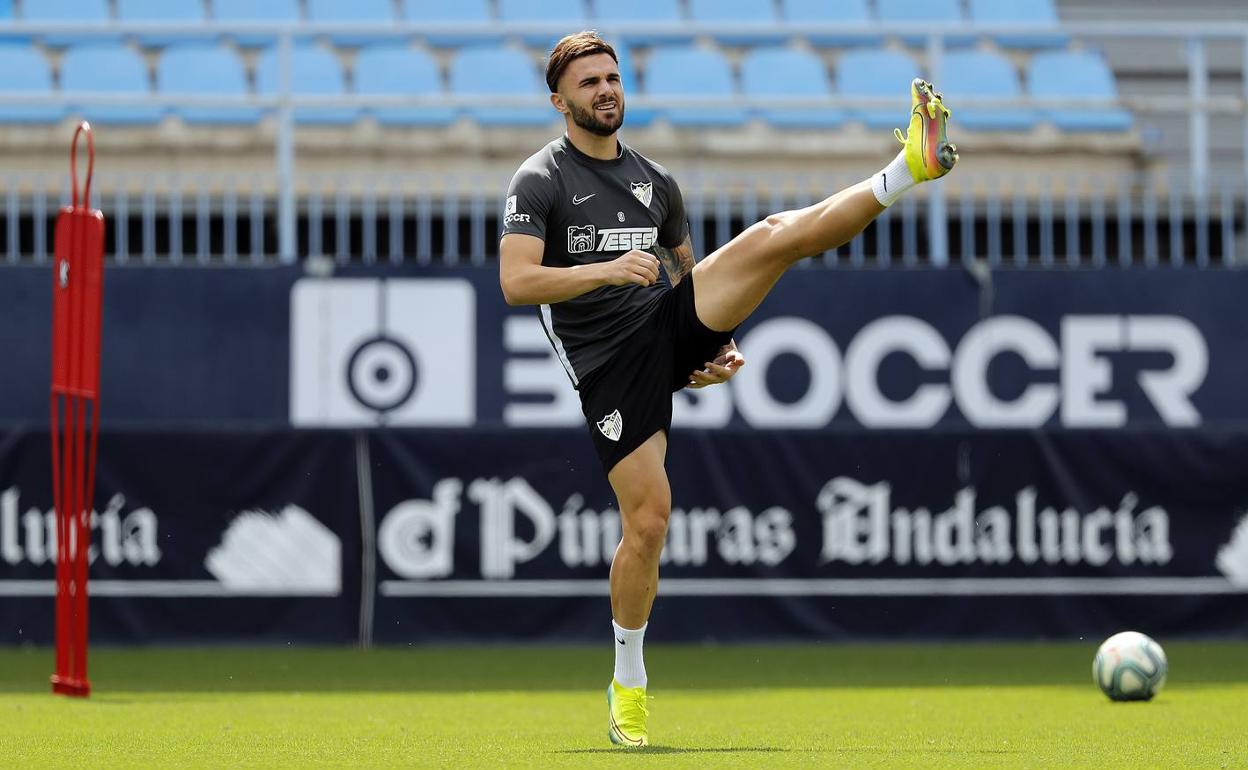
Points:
(1130, 666)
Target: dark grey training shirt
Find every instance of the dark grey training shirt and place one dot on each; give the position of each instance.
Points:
(589, 210)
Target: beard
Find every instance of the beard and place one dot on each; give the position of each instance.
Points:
(589, 120)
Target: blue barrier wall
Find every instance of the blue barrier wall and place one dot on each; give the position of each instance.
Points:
(876, 349)
(906, 454)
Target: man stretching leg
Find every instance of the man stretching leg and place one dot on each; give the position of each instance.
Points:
(587, 223)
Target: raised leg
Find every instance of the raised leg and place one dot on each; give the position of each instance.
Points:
(735, 278)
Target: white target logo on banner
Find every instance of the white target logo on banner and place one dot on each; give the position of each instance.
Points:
(394, 352)
(382, 374)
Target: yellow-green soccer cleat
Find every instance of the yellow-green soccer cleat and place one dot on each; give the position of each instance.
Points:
(929, 153)
(627, 713)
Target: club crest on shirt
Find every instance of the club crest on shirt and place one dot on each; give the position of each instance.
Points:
(612, 425)
(642, 191)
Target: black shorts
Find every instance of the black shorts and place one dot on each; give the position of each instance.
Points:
(629, 399)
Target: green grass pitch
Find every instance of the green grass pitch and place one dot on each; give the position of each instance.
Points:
(887, 705)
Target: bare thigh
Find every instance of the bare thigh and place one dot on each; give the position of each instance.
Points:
(731, 282)
(640, 481)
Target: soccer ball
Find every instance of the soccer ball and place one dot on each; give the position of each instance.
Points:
(1130, 666)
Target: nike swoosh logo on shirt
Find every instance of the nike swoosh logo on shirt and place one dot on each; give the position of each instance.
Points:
(578, 201)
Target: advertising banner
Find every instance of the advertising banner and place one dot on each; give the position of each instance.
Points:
(195, 537)
(949, 534)
(399, 536)
(395, 455)
(437, 347)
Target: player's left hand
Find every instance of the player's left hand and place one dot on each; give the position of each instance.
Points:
(721, 369)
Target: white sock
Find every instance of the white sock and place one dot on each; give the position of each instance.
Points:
(630, 669)
(895, 179)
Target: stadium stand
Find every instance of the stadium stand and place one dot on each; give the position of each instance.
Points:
(472, 50)
(251, 11)
(570, 13)
(761, 15)
(464, 12)
(984, 74)
(24, 70)
(211, 70)
(666, 12)
(314, 71)
(844, 13)
(920, 11)
(108, 68)
(355, 10)
(875, 74)
(372, 11)
(779, 71)
(391, 69)
(160, 11)
(64, 10)
(1038, 12)
(504, 73)
(679, 71)
(1076, 74)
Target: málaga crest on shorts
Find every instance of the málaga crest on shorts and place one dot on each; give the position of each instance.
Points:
(642, 191)
(612, 425)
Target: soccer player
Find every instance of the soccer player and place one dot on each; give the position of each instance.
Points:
(588, 220)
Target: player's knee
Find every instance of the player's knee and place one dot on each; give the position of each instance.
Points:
(648, 531)
(782, 237)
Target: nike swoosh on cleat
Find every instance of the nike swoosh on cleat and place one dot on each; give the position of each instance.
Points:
(578, 201)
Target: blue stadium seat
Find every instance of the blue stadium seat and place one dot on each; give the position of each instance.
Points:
(877, 74)
(314, 72)
(689, 71)
(370, 11)
(205, 69)
(1076, 74)
(251, 10)
(788, 72)
(476, 12)
(65, 10)
(178, 11)
(493, 71)
(350, 10)
(392, 69)
(22, 68)
(107, 68)
(749, 12)
(570, 13)
(919, 11)
(839, 12)
(1038, 12)
(665, 12)
(983, 74)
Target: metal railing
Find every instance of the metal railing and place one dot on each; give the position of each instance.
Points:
(1114, 220)
(273, 204)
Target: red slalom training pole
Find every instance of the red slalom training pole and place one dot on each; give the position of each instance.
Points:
(77, 303)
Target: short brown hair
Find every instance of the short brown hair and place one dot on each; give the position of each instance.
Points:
(573, 47)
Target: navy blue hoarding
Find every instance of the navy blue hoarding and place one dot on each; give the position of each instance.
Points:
(221, 536)
(889, 349)
(452, 535)
(396, 456)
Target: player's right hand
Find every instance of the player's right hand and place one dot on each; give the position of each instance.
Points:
(637, 267)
